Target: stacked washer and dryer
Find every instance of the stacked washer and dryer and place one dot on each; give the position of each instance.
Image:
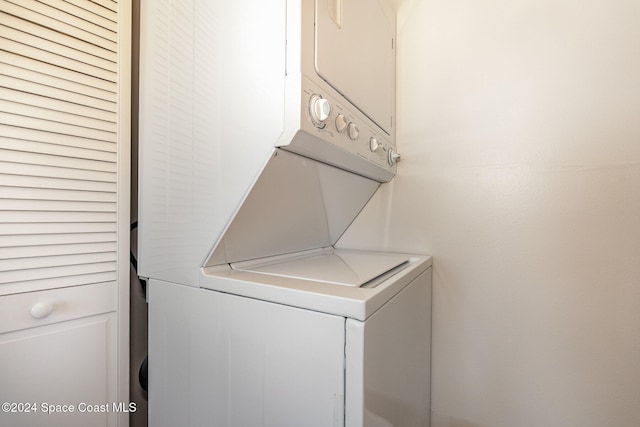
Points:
(265, 129)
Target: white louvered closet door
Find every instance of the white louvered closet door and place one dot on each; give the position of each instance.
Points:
(58, 143)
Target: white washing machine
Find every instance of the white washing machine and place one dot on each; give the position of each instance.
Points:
(265, 128)
(290, 351)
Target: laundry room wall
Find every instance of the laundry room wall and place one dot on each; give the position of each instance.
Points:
(519, 127)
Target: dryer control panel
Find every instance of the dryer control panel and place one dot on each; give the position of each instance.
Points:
(339, 134)
(340, 121)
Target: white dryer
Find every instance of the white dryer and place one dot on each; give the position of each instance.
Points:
(265, 129)
(222, 83)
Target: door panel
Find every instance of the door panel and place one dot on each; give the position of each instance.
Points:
(355, 54)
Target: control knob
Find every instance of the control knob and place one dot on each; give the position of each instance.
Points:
(341, 123)
(374, 145)
(392, 157)
(353, 131)
(319, 109)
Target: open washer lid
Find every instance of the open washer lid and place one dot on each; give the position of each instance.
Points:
(297, 204)
(329, 266)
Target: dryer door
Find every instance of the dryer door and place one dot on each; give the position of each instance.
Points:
(354, 53)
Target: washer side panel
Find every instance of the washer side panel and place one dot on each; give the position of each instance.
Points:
(388, 360)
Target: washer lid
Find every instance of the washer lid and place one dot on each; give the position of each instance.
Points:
(329, 266)
(297, 204)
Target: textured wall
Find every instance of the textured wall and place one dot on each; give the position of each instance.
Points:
(519, 126)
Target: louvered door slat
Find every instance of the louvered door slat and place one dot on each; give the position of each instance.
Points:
(95, 8)
(57, 150)
(62, 22)
(55, 127)
(82, 13)
(53, 41)
(57, 79)
(59, 282)
(59, 161)
(44, 136)
(57, 60)
(65, 206)
(17, 79)
(27, 181)
(56, 105)
(49, 44)
(53, 250)
(107, 4)
(34, 262)
(16, 216)
(53, 272)
(30, 228)
(54, 194)
(10, 241)
(55, 172)
(44, 113)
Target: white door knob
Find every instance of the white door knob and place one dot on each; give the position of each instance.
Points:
(41, 310)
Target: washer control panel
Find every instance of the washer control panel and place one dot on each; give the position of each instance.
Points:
(347, 128)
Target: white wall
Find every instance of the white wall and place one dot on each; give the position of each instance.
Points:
(519, 126)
